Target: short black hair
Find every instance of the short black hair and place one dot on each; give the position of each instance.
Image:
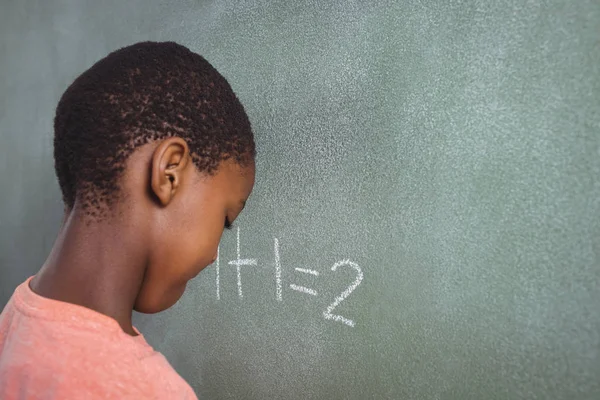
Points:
(137, 94)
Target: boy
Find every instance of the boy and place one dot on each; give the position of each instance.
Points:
(154, 155)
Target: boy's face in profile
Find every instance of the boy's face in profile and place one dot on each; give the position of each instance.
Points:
(185, 212)
(154, 155)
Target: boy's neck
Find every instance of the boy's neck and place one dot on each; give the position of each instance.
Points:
(99, 266)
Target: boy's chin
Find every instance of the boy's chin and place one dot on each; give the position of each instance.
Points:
(154, 304)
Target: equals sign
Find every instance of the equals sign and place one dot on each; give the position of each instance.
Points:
(304, 289)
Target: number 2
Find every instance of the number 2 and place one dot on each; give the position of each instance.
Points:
(328, 314)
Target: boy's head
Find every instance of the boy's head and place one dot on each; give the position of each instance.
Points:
(153, 136)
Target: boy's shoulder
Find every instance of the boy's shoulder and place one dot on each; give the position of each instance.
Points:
(67, 349)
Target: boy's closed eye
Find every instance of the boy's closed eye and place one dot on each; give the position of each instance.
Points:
(228, 223)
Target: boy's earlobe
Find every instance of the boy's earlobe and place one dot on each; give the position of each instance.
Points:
(169, 162)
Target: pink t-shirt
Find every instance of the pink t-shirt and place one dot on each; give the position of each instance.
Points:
(55, 350)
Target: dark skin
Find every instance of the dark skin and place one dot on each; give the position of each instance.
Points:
(161, 233)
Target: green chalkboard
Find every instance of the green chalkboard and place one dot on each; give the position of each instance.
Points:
(425, 221)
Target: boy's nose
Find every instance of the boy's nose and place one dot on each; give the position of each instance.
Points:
(215, 257)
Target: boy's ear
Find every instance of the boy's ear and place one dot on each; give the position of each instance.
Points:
(169, 162)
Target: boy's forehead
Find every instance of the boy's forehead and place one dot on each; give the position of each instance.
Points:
(233, 168)
(237, 177)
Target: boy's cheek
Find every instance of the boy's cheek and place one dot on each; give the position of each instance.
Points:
(203, 248)
(193, 254)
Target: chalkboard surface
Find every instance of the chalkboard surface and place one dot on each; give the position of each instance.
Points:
(425, 222)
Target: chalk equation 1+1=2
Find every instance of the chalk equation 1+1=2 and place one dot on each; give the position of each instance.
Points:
(328, 314)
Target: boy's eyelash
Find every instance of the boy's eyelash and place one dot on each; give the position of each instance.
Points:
(228, 225)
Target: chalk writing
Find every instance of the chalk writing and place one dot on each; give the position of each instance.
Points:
(218, 277)
(278, 285)
(303, 289)
(328, 314)
(307, 271)
(239, 262)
